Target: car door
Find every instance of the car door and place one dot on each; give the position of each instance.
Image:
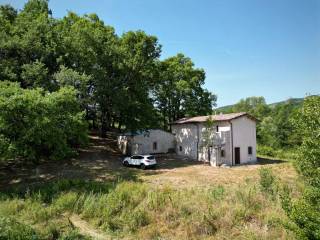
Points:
(133, 160)
(139, 160)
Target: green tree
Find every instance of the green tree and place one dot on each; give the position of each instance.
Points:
(29, 41)
(305, 212)
(90, 48)
(36, 75)
(255, 106)
(36, 124)
(139, 55)
(180, 91)
(8, 13)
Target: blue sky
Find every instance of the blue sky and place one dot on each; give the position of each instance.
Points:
(267, 48)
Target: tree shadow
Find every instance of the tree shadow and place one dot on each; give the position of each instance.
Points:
(172, 161)
(101, 161)
(265, 161)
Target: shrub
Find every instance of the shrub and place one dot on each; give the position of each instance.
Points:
(36, 124)
(265, 151)
(305, 212)
(267, 181)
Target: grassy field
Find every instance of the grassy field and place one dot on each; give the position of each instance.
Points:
(93, 196)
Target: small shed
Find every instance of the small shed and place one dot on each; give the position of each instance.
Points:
(149, 141)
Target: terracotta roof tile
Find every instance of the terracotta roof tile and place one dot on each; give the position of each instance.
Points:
(218, 117)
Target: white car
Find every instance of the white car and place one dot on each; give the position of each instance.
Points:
(143, 161)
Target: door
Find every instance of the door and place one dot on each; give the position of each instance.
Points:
(135, 160)
(237, 155)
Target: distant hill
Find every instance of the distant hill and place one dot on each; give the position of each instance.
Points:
(296, 101)
(228, 108)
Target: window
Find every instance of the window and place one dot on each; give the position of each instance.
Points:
(217, 128)
(151, 158)
(180, 148)
(222, 153)
(154, 145)
(250, 150)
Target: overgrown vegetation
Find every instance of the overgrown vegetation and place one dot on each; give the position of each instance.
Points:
(36, 124)
(305, 212)
(136, 210)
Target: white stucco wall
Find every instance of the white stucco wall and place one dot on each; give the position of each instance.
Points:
(143, 143)
(164, 141)
(186, 137)
(225, 134)
(244, 135)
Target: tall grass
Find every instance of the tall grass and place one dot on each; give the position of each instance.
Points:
(139, 211)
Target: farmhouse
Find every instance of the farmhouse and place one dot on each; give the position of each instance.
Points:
(232, 138)
(146, 142)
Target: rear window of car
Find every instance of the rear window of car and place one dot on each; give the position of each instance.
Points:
(150, 157)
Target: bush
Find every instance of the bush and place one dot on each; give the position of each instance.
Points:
(267, 181)
(266, 151)
(35, 123)
(305, 212)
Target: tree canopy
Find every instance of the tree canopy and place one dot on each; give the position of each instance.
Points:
(117, 80)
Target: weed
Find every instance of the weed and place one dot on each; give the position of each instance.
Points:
(267, 182)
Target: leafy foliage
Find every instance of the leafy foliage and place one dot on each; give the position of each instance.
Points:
(305, 212)
(180, 91)
(35, 124)
(275, 128)
(120, 79)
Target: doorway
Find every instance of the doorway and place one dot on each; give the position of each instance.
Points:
(237, 155)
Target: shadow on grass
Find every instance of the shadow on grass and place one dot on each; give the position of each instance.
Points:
(100, 161)
(172, 161)
(46, 191)
(265, 161)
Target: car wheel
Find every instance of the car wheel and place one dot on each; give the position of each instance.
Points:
(125, 163)
(143, 166)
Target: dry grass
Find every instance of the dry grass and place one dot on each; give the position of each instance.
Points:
(102, 162)
(181, 199)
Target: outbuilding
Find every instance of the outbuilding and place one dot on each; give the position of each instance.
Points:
(149, 141)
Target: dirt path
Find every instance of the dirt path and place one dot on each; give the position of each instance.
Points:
(86, 229)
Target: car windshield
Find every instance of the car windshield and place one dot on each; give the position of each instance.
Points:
(150, 157)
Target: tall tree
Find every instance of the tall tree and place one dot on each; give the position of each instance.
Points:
(139, 54)
(27, 40)
(90, 47)
(180, 91)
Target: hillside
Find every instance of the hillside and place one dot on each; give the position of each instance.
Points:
(228, 108)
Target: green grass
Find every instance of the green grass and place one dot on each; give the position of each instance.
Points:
(139, 211)
(288, 154)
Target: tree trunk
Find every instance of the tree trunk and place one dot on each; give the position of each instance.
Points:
(103, 130)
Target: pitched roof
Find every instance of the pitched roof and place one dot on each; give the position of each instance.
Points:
(218, 118)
